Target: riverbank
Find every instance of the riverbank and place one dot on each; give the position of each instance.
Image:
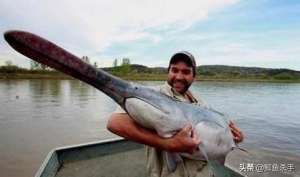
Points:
(144, 73)
(34, 76)
(141, 77)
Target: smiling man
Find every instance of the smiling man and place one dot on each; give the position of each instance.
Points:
(181, 74)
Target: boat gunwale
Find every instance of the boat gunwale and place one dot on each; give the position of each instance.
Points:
(54, 153)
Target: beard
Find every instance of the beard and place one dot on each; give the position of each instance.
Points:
(185, 85)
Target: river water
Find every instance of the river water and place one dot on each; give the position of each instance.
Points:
(39, 115)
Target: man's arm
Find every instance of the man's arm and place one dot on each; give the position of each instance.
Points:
(122, 125)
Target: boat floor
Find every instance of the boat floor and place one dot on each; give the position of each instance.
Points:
(129, 164)
(132, 164)
(121, 158)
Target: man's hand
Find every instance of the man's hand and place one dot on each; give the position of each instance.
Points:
(184, 141)
(236, 133)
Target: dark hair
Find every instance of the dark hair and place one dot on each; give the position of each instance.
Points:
(185, 57)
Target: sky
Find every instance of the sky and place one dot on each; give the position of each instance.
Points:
(260, 33)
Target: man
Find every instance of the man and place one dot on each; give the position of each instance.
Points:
(181, 74)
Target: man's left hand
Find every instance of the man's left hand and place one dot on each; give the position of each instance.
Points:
(236, 133)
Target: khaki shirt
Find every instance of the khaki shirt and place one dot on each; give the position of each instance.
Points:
(156, 165)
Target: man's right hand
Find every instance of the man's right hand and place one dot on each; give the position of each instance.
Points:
(186, 140)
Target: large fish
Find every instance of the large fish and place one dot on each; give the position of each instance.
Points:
(148, 107)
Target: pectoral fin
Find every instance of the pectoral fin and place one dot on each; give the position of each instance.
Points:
(217, 167)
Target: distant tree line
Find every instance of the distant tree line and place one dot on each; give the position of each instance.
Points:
(9, 67)
(38, 66)
(122, 69)
(35, 67)
(87, 60)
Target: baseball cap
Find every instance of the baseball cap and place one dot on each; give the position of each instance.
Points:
(186, 57)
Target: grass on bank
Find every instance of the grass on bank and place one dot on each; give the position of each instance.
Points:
(138, 72)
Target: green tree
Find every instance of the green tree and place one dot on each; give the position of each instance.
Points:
(8, 63)
(86, 59)
(95, 64)
(125, 61)
(125, 67)
(43, 67)
(9, 67)
(115, 63)
(33, 65)
(37, 66)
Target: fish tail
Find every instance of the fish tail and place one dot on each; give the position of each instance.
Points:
(171, 160)
(217, 168)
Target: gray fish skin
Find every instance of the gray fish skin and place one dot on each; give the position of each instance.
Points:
(167, 116)
(147, 106)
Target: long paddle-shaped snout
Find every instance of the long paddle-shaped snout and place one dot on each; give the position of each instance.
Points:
(47, 53)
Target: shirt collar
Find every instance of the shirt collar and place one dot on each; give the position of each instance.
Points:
(180, 96)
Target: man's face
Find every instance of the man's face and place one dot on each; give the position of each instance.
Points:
(180, 77)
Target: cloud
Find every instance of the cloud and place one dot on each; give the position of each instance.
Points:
(242, 54)
(89, 26)
(142, 29)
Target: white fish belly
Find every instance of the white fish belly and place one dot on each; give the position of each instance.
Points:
(216, 142)
(152, 117)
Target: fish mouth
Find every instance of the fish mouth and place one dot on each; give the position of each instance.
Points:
(48, 53)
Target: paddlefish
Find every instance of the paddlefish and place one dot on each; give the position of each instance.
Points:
(148, 107)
